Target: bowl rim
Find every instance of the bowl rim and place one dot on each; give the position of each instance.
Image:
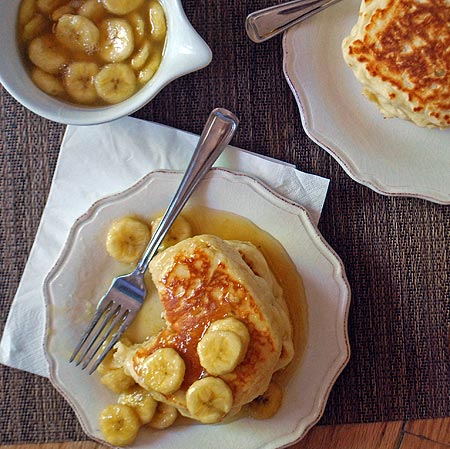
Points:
(262, 189)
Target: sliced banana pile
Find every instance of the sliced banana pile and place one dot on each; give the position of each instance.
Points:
(92, 52)
(136, 406)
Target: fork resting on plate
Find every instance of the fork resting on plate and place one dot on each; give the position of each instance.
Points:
(121, 303)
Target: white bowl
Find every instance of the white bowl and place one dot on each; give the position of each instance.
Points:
(185, 52)
(84, 270)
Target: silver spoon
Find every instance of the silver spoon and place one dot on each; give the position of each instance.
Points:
(266, 23)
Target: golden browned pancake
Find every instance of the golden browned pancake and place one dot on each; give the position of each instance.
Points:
(400, 51)
(205, 279)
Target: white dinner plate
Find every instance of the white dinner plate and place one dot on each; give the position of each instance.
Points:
(391, 156)
(84, 270)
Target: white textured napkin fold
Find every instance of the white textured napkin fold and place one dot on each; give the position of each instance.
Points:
(100, 160)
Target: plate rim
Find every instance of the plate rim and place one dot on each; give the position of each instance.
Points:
(336, 152)
(258, 186)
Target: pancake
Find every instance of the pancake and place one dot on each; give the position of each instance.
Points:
(400, 52)
(201, 281)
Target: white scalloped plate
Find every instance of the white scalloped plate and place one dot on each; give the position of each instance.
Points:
(391, 156)
(84, 270)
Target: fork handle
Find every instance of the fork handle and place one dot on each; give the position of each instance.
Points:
(217, 133)
(266, 23)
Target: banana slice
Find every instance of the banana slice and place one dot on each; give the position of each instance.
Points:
(116, 380)
(268, 404)
(220, 352)
(116, 40)
(26, 11)
(128, 236)
(157, 21)
(46, 82)
(141, 56)
(164, 416)
(121, 7)
(48, 6)
(79, 81)
(141, 402)
(77, 33)
(180, 230)
(233, 325)
(59, 12)
(149, 70)
(93, 10)
(209, 400)
(36, 26)
(163, 371)
(138, 24)
(115, 82)
(45, 53)
(119, 424)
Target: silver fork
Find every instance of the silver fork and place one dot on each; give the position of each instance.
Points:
(119, 306)
(266, 23)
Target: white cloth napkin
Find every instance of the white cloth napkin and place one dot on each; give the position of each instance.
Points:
(100, 160)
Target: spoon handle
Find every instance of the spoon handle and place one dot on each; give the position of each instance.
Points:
(266, 23)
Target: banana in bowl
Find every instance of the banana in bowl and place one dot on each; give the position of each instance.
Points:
(91, 52)
(220, 328)
(86, 62)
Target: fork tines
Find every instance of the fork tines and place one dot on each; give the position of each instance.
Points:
(112, 317)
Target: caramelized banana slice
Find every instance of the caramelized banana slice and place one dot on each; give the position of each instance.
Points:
(35, 27)
(157, 21)
(209, 400)
(59, 12)
(119, 424)
(150, 68)
(141, 56)
(268, 404)
(116, 40)
(180, 230)
(46, 82)
(163, 371)
(26, 11)
(79, 81)
(164, 416)
(115, 82)
(220, 352)
(93, 10)
(128, 236)
(122, 7)
(233, 325)
(48, 6)
(116, 380)
(141, 402)
(77, 33)
(138, 24)
(45, 53)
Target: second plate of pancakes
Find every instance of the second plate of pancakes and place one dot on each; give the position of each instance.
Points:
(391, 156)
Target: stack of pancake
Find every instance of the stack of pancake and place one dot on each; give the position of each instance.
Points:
(400, 52)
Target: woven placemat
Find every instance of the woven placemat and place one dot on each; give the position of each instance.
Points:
(396, 250)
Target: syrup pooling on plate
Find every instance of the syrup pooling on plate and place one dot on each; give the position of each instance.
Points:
(214, 361)
(91, 52)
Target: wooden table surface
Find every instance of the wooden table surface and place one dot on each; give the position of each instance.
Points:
(422, 434)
